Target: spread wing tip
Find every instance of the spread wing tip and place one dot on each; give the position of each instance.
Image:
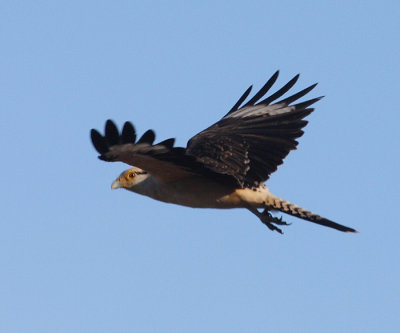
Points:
(112, 137)
(99, 142)
(257, 98)
(128, 134)
(148, 137)
(106, 158)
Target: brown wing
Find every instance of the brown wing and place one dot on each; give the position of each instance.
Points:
(249, 142)
(162, 160)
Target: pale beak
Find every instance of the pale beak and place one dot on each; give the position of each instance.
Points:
(116, 184)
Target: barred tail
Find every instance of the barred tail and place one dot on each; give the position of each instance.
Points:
(284, 206)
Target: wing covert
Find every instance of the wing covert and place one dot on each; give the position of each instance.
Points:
(242, 149)
(251, 141)
(162, 160)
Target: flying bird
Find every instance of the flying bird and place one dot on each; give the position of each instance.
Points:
(225, 165)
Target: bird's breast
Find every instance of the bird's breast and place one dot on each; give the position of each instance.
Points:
(196, 192)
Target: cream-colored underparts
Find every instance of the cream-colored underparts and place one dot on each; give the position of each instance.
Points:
(200, 192)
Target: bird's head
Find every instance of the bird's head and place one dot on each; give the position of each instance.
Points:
(129, 178)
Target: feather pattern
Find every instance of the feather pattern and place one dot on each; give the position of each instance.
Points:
(223, 166)
(162, 160)
(262, 135)
(242, 149)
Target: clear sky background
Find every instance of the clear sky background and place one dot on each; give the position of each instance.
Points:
(78, 257)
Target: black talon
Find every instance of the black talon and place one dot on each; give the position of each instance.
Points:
(270, 221)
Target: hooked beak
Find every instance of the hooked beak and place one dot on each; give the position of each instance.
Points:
(116, 184)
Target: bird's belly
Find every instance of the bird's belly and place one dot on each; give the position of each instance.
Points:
(198, 193)
(206, 200)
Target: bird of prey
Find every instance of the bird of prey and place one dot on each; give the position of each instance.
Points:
(225, 165)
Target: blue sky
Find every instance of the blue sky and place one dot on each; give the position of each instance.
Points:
(77, 257)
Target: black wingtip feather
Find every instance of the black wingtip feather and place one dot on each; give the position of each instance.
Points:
(306, 104)
(128, 134)
(265, 88)
(111, 133)
(106, 158)
(298, 95)
(257, 96)
(147, 137)
(281, 91)
(169, 143)
(99, 142)
(241, 100)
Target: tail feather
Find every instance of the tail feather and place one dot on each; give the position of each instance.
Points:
(294, 210)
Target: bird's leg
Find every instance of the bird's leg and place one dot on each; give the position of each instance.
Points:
(269, 220)
(272, 219)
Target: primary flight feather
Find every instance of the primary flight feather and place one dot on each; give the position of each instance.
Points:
(223, 166)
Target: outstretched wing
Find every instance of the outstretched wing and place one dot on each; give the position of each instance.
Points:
(251, 141)
(243, 148)
(162, 160)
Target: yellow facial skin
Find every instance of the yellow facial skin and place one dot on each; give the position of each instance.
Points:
(127, 178)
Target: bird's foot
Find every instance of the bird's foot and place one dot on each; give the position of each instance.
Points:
(270, 221)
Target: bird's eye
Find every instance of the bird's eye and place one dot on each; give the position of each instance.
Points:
(132, 175)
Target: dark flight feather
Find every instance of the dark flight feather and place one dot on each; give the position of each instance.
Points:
(243, 148)
(265, 133)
